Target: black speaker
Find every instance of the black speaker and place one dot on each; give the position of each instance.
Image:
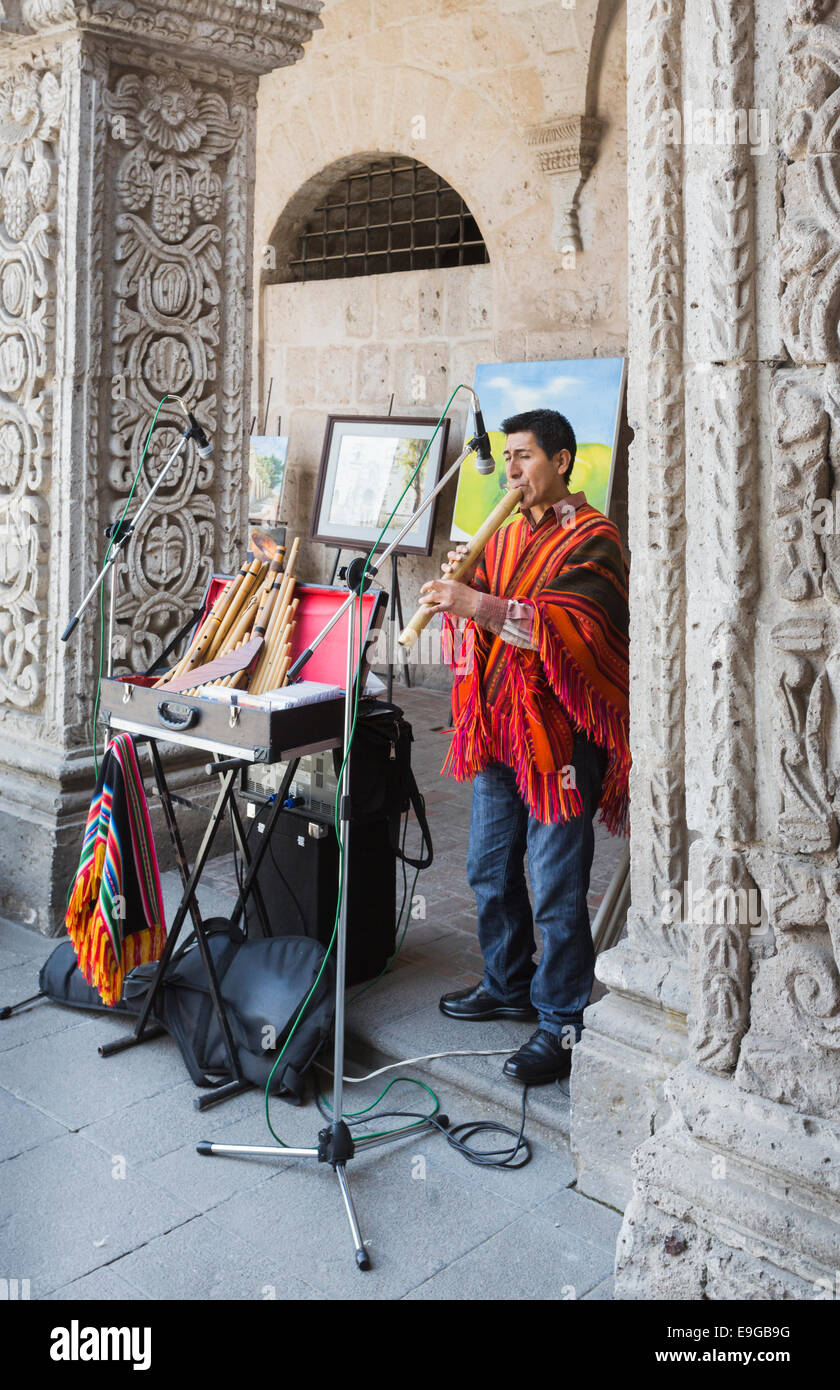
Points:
(298, 880)
(298, 876)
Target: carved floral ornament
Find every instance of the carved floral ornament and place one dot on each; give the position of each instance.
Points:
(810, 11)
(809, 248)
(170, 235)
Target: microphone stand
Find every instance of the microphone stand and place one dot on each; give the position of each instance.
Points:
(336, 1144)
(119, 534)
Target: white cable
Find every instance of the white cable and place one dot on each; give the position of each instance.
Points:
(429, 1057)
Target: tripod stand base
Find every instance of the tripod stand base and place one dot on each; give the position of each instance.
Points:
(333, 1149)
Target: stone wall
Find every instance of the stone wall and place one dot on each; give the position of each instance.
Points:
(471, 92)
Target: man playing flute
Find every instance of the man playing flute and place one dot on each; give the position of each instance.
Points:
(540, 713)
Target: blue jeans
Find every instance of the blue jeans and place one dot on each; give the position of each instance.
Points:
(560, 859)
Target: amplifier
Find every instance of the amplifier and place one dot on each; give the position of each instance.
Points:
(298, 879)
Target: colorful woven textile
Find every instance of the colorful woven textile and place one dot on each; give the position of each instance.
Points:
(521, 707)
(115, 915)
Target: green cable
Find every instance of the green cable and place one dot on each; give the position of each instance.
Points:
(169, 396)
(360, 598)
(412, 1081)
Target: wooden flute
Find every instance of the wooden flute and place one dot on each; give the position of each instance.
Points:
(499, 514)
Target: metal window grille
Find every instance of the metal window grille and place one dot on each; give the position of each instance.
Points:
(393, 215)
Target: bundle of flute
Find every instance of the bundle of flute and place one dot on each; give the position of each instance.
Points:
(258, 603)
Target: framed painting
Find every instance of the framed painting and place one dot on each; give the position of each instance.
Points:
(365, 466)
(266, 472)
(589, 391)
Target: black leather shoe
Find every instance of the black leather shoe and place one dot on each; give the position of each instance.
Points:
(542, 1058)
(475, 1005)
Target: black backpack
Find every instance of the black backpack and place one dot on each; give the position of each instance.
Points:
(263, 984)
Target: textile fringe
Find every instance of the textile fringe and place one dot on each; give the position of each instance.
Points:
(600, 721)
(476, 743)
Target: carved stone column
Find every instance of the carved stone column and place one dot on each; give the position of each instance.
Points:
(736, 1191)
(636, 1034)
(126, 157)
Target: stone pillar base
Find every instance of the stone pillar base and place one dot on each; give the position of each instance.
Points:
(632, 1039)
(736, 1197)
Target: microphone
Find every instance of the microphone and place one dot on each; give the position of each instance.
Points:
(484, 461)
(202, 443)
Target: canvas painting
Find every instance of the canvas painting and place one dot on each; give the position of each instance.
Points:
(266, 470)
(588, 391)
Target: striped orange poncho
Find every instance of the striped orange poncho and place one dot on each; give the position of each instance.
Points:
(521, 707)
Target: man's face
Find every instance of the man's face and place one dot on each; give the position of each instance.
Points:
(528, 467)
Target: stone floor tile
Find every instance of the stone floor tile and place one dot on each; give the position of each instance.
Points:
(526, 1260)
(102, 1286)
(36, 1020)
(23, 1127)
(64, 1075)
(201, 1260)
(583, 1217)
(64, 1213)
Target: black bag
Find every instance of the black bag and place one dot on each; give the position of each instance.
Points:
(61, 981)
(263, 985)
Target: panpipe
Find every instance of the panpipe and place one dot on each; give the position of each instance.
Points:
(257, 605)
(497, 517)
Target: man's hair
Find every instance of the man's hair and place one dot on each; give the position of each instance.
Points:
(551, 430)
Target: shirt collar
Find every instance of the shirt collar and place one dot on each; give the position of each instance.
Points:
(560, 509)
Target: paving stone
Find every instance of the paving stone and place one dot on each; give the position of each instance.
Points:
(65, 1214)
(23, 1127)
(64, 1075)
(203, 1261)
(527, 1260)
(602, 1293)
(582, 1216)
(160, 1124)
(413, 1226)
(203, 1181)
(394, 996)
(28, 945)
(102, 1286)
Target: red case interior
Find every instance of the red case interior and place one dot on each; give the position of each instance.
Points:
(317, 604)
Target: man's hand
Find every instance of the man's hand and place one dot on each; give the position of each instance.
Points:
(452, 558)
(449, 596)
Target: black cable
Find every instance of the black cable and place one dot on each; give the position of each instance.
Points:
(458, 1136)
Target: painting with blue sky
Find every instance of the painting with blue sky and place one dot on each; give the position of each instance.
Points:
(588, 391)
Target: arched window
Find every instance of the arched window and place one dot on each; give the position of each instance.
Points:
(392, 214)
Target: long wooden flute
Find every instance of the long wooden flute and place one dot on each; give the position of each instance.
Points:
(499, 514)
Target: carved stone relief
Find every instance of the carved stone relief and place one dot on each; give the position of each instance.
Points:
(727, 911)
(174, 139)
(31, 104)
(658, 531)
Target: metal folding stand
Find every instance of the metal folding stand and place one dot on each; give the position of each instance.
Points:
(336, 1145)
(227, 770)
